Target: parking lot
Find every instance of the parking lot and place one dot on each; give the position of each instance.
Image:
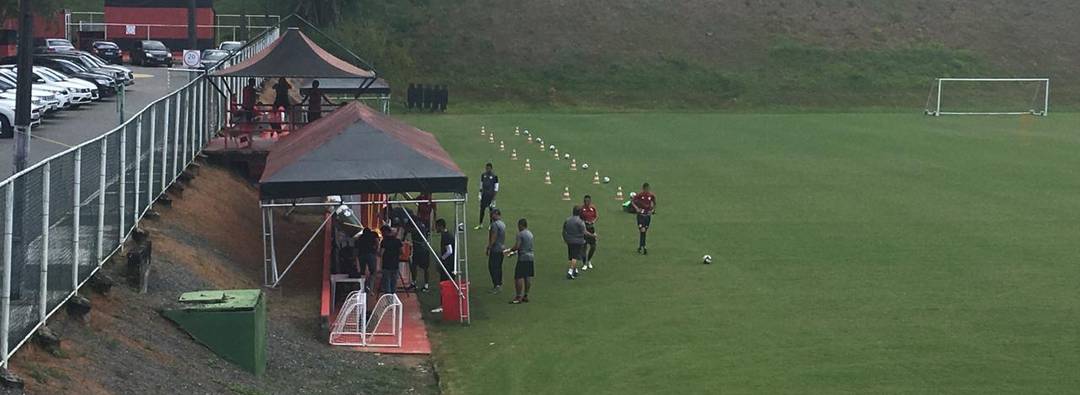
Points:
(72, 127)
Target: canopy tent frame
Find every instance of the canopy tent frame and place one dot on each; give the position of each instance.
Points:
(272, 276)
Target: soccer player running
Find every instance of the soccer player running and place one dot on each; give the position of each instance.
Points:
(494, 251)
(574, 234)
(489, 187)
(644, 204)
(589, 215)
(524, 270)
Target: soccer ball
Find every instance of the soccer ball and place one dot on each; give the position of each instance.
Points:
(551, 148)
(567, 156)
(526, 132)
(632, 194)
(707, 259)
(585, 166)
(607, 180)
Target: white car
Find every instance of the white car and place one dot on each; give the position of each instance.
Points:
(54, 75)
(62, 94)
(47, 100)
(79, 93)
(7, 114)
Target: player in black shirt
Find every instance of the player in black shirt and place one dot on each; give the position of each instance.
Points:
(489, 187)
(446, 254)
(367, 245)
(421, 256)
(391, 259)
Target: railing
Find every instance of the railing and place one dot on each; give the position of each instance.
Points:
(65, 216)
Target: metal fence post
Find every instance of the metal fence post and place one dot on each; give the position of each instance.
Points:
(165, 147)
(138, 170)
(76, 211)
(5, 285)
(150, 165)
(43, 281)
(123, 181)
(101, 202)
(176, 137)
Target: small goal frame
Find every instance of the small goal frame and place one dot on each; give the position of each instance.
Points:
(940, 82)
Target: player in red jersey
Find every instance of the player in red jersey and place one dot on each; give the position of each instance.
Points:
(644, 204)
(589, 215)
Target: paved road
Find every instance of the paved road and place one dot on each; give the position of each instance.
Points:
(73, 127)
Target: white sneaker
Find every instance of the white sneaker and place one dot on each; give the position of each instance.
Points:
(584, 268)
(589, 264)
(436, 310)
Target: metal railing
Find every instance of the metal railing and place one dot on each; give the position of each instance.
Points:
(65, 216)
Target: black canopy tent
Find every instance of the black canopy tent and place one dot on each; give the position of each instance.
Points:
(357, 150)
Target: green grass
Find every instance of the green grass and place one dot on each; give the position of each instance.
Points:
(857, 253)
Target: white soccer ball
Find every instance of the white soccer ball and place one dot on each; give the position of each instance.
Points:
(567, 156)
(607, 180)
(585, 166)
(707, 259)
(551, 148)
(526, 132)
(632, 194)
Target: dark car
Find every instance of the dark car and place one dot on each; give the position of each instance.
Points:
(83, 60)
(106, 85)
(211, 57)
(107, 51)
(150, 52)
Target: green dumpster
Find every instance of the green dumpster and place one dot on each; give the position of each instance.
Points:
(231, 323)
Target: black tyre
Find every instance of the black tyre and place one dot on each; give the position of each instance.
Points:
(5, 126)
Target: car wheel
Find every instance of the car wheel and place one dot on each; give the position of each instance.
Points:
(5, 126)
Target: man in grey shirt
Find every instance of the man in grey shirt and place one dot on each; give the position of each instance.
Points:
(574, 233)
(494, 251)
(524, 270)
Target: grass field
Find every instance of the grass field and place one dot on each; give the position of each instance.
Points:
(853, 253)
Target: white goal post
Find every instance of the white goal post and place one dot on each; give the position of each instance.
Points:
(989, 96)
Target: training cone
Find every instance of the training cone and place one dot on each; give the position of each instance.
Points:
(528, 166)
(573, 164)
(513, 154)
(530, 139)
(542, 149)
(596, 178)
(566, 193)
(483, 132)
(517, 131)
(502, 147)
(557, 154)
(547, 177)
(619, 195)
(491, 138)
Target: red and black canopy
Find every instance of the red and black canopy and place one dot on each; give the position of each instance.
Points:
(294, 55)
(354, 150)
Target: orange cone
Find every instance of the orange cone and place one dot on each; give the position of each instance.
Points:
(596, 178)
(491, 138)
(528, 166)
(502, 147)
(517, 131)
(619, 195)
(483, 132)
(573, 164)
(557, 154)
(566, 193)
(530, 139)
(547, 177)
(513, 154)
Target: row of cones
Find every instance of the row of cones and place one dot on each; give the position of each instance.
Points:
(547, 175)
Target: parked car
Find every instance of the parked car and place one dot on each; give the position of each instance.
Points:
(7, 115)
(107, 86)
(55, 45)
(63, 95)
(211, 57)
(128, 77)
(150, 52)
(47, 100)
(74, 96)
(107, 51)
(88, 64)
(83, 92)
(55, 76)
(231, 46)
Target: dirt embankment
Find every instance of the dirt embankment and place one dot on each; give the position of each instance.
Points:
(210, 239)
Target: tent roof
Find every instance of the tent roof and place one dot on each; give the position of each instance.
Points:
(354, 150)
(294, 55)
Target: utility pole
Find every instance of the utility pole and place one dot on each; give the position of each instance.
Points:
(192, 32)
(24, 85)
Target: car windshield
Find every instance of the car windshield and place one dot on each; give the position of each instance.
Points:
(53, 73)
(105, 45)
(72, 66)
(45, 77)
(58, 43)
(154, 46)
(211, 54)
(231, 46)
(93, 59)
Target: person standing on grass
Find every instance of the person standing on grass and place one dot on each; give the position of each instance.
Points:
(644, 204)
(574, 234)
(421, 256)
(494, 250)
(489, 187)
(589, 215)
(524, 270)
(446, 254)
(367, 246)
(391, 259)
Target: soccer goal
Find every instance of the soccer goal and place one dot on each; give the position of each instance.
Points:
(355, 327)
(989, 96)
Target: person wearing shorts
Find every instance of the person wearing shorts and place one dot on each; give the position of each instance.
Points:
(589, 215)
(574, 234)
(494, 250)
(644, 204)
(524, 271)
(367, 245)
(489, 188)
(391, 248)
(421, 257)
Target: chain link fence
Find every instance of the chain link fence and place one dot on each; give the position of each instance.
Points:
(65, 216)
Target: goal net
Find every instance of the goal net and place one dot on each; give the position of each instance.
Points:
(989, 96)
(356, 327)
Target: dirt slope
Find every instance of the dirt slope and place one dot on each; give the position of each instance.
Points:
(209, 239)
